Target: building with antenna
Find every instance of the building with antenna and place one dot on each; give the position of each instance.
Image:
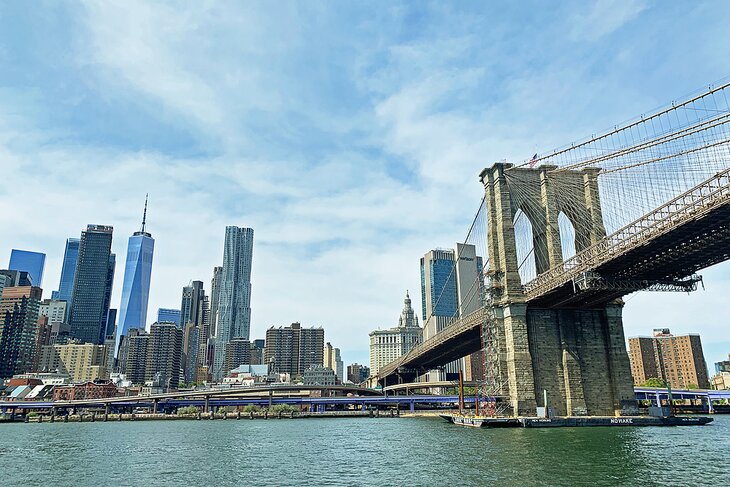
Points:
(137, 273)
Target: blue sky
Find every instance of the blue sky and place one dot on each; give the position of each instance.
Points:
(348, 135)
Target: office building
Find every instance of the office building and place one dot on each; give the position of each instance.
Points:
(92, 285)
(13, 278)
(191, 307)
(169, 315)
(387, 345)
(215, 289)
(678, 360)
(68, 271)
(293, 349)
(721, 379)
(333, 360)
(234, 297)
(723, 365)
(137, 274)
(317, 375)
(164, 354)
(31, 262)
(19, 307)
(357, 373)
(452, 286)
(82, 362)
(4, 281)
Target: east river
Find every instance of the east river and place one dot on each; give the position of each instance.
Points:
(359, 451)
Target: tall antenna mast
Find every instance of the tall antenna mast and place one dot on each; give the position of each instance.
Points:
(144, 216)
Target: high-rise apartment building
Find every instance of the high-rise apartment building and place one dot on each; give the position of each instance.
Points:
(357, 373)
(82, 362)
(234, 297)
(132, 356)
(190, 350)
(31, 262)
(169, 315)
(388, 345)
(136, 285)
(293, 349)
(68, 271)
(238, 352)
(19, 307)
(164, 354)
(93, 281)
(678, 360)
(256, 355)
(56, 311)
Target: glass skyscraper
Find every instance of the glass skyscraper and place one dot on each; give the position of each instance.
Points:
(136, 286)
(68, 271)
(93, 280)
(169, 315)
(30, 262)
(234, 299)
(438, 284)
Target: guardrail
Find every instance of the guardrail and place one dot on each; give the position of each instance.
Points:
(703, 198)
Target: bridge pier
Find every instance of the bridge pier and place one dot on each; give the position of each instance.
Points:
(155, 404)
(206, 405)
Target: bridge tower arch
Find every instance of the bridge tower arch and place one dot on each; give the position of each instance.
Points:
(577, 355)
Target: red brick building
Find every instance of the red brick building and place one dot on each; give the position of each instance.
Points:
(87, 390)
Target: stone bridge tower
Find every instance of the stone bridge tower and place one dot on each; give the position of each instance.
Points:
(577, 355)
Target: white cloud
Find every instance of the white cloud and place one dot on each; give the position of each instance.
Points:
(596, 19)
(351, 143)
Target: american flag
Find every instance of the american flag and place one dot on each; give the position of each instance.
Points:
(533, 161)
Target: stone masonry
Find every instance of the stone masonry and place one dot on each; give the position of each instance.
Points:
(578, 356)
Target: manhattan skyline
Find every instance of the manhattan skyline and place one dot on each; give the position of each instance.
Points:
(349, 164)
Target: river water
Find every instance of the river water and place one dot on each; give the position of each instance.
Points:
(358, 451)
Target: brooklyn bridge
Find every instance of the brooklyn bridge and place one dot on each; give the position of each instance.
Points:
(565, 235)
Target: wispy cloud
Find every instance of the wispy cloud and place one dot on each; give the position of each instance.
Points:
(350, 137)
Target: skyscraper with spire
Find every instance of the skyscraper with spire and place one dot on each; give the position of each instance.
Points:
(137, 273)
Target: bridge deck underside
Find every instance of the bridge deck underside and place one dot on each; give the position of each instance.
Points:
(456, 347)
(695, 245)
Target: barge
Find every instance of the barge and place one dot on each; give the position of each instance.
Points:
(574, 421)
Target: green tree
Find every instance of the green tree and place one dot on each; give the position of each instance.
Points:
(655, 382)
(187, 410)
(692, 386)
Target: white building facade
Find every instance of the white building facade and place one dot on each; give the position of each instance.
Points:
(388, 345)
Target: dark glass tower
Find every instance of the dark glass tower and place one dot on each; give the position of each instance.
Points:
(93, 281)
(66, 285)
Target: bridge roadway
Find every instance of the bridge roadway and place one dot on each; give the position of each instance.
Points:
(268, 391)
(689, 233)
(375, 399)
